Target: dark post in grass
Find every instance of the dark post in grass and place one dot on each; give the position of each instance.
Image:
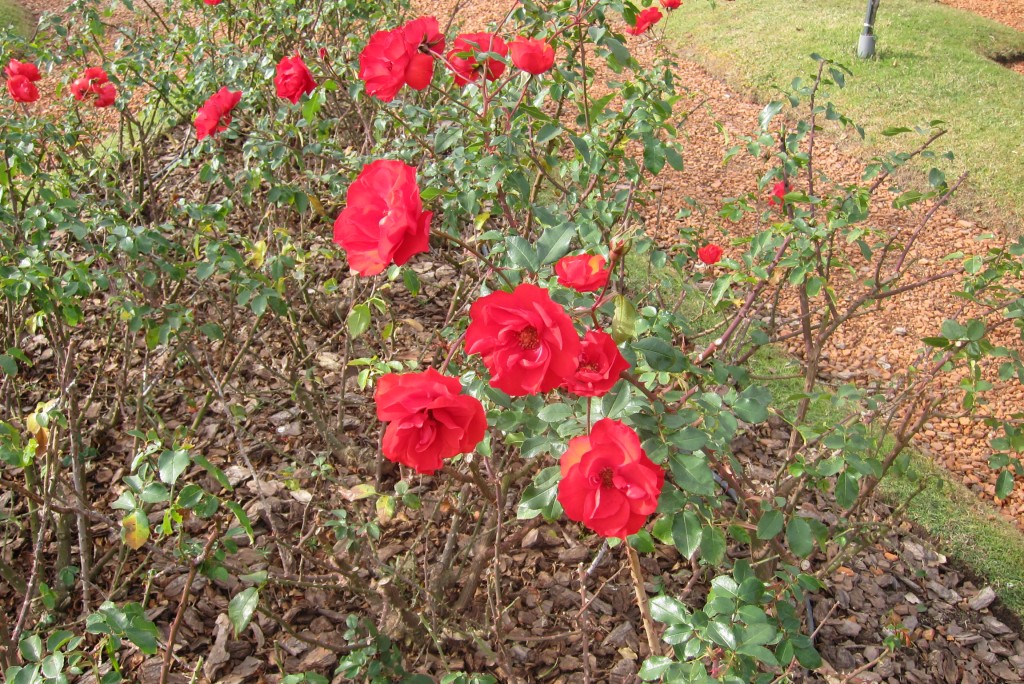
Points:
(866, 44)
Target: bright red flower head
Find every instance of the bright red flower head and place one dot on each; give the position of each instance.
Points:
(26, 69)
(600, 365)
(466, 66)
(96, 83)
(585, 272)
(401, 56)
(215, 114)
(710, 254)
(211, 3)
(22, 89)
(526, 340)
(671, 4)
(383, 220)
(428, 418)
(778, 196)
(645, 20)
(21, 78)
(608, 483)
(423, 39)
(532, 55)
(293, 79)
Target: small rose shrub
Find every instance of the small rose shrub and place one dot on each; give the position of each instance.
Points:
(544, 373)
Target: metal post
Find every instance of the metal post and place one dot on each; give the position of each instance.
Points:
(866, 44)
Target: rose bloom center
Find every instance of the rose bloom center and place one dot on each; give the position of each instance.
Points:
(607, 477)
(528, 338)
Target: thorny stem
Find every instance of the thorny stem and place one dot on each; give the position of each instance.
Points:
(641, 599)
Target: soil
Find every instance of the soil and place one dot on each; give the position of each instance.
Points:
(945, 626)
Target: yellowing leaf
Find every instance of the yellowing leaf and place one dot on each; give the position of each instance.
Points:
(135, 529)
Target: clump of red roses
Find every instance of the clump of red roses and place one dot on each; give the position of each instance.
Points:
(21, 81)
(215, 114)
(94, 83)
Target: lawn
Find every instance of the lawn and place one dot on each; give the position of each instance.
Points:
(933, 62)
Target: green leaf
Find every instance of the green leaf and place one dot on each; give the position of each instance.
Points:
(214, 472)
(654, 668)
(798, 536)
(752, 404)
(8, 365)
(547, 132)
(847, 490)
(241, 516)
(770, 111)
(1004, 485)
(721, 633)
(686, 533)
(692, 474)
(172, 464)
(896, 130)
(539, 497)
(522, 254)
(770, 524)
(554, 243)
(623, 320)
(660, 355)
(358, 320)
(31, 648)
(135, 529)
(712, 545)
(688, 439)
(668, 610)
(554, 413)
(952, 330)
(242, 607)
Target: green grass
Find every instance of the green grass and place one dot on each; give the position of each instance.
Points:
(967, 529)
(980, 539)
(14, 16)
(933, 62)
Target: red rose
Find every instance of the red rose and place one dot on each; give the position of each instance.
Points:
(16, 68)
(462, 58)
(423, 39)
(429, 420)
(22, 89)
(585, 272)
(212, 2)
(293, 79)
(778, 196)
(645, 20)
(600, 365)
(671, 4)
(526, 340)
(21, 78)
(710, 254)
(608, 483)
(95, 82)
(532, 55)
(399, 57)
(215, 114)
(383, 220)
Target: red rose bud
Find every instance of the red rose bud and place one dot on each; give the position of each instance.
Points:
(532, 55)
(710, 254)
(608, 482)
(383, 221)
(293, 79)
(215, 114)
(525, 339)
(94, 83)
(600, 365)
(462, 57)
(671, 4)
(585, 272)
(428, 419)
(778, 196)
(644, 21)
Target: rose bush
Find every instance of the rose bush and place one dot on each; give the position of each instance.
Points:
(208, 271)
